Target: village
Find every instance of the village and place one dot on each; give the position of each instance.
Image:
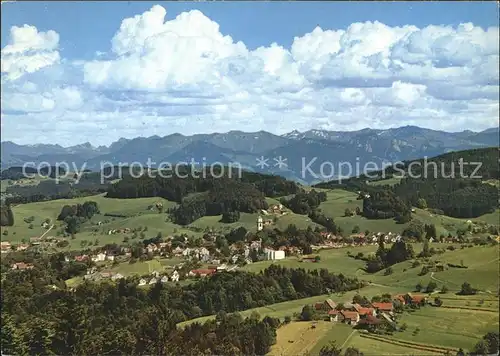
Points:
(192, 260)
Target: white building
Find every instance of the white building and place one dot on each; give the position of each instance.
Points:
(116, 277)
(260, 224)
(99, 257)
(222, 267)
(175, 276)
(274, 255)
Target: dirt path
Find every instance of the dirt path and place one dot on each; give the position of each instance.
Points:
(348, 338)
(46, 232)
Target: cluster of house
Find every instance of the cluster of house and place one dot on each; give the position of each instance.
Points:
(7, 247)
(210, 270)
(99, 257)
(276, 209)
(174, 277)
(21, 266)
(117, 231)
(374, 314)
(156, 277)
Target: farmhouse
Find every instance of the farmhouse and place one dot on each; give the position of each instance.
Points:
(383, 307)
(153, 280)
(22, 266)
(35, 240)
(106, 274)
(116, 277)
(5, 246)
(175, 276)
(202, 272)
(274, 255)
(334, 315)
(81, 258)
(99, 257)
(363, 311)
(370, 320)
(151, 248)
(22, 247)
(409, 298)
(350, 317)
(327, 305)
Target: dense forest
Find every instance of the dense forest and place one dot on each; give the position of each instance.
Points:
(224, 196)
(126, 319)
(443, 183)
(304, 203)
(205, 194)
(384, 205)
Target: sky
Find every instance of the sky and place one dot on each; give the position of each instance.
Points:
(75, 72)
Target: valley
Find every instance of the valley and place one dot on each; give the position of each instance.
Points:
(169, 237)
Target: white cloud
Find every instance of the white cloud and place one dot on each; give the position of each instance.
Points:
(28, 51)
(184, 75)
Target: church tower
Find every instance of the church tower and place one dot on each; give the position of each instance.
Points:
(260, 224)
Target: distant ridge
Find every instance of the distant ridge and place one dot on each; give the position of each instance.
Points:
(366, 145)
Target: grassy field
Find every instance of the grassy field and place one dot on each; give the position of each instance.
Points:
(371, 347)
(127, 213)
(492, 218)
(51, 209)
(340, 333)
(138, 268)
(482, 271)
(298, 338)
(447, 327)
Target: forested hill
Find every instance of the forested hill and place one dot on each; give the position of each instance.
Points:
(441, 183)
(206, 193)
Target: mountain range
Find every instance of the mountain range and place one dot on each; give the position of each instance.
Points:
(298, 150)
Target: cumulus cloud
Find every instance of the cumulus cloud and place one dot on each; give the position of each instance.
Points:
(28, 51)
(183, 74)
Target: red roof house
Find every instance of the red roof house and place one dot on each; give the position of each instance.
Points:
(202, 272)
(350, 317)
(383, 307)
(370, 320)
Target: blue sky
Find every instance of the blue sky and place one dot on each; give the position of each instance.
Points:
(368, 64)
(88, 26)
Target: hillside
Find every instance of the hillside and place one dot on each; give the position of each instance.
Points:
(440, 183)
